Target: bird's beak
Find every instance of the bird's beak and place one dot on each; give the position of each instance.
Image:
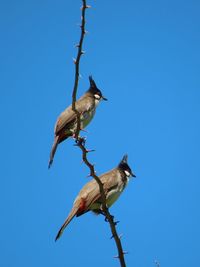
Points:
(133, 175)
(104, 98)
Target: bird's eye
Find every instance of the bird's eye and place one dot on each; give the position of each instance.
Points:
(96, 96)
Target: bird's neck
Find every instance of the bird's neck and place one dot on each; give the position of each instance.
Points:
(96, 102)
(125, 178)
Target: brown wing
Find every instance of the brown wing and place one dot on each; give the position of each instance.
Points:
(65, 118)
(90, 192)
(68, 116)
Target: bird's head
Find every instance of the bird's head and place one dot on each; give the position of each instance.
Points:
(123, 165)
(96, 93)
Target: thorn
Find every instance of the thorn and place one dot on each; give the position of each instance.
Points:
(90, 150)
(86, 32)
(85, 6)
(116, 257)
(115, 223)
(124, 253)
(79, 25)
(74, 60)
(85, 131)
(82, 52)
(120, 236)
(77, 45)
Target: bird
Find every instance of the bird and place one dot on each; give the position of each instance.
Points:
(89, 198)
(66, 124)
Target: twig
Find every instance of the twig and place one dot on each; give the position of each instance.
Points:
(77, 63)
(109, 217)
(81, 144)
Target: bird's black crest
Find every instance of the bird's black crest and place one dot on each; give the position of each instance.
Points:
(93, 88)
(123, 165)
(92, 82)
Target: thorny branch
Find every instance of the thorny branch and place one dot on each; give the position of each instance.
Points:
(81, 143)
(108, 216)
(77, 63)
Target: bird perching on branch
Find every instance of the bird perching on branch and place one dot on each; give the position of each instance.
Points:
(66, 124)
(89, 198)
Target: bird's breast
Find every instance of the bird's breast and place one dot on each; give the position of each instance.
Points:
(86, 117)
(112, 197)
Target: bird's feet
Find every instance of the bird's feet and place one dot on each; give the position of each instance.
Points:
(80, 140)
(112, 218)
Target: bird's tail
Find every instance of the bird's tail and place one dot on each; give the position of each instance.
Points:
(53, 150)
(67, 221)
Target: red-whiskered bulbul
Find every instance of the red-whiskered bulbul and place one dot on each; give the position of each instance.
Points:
(66, 123)
(89, 198)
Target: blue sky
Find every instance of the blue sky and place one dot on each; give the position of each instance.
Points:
(145, 57)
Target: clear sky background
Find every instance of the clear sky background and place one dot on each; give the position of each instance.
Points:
(145, 57)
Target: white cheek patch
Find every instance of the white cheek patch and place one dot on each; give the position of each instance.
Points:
(127, 173)
(97, 96)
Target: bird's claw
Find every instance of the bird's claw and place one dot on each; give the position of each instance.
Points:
(80, 141)
(112, 218)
